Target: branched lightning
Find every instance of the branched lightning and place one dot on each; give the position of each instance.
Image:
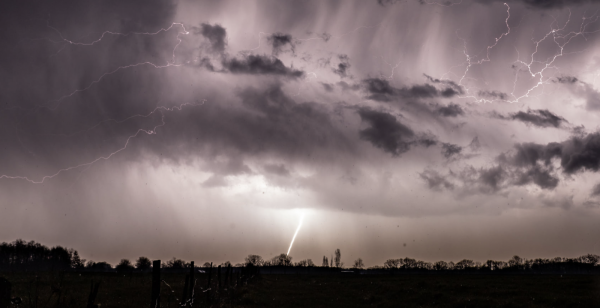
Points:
(556, 34)
(102, 36)
(159, 109)
(152, 131)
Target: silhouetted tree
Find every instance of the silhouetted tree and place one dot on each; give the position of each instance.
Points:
(516, 262)
(206, 265)
(76, 261)
(225, 264)
(176, 264)
(440, 266)
(124, 266)
(281, 260)
(31, 255)
(358, 263)
(143, 263)
(464, 264)
(325, 262)
(393, 263)
(102, 266)
(255, 260)
(305, 263)
(338, 258)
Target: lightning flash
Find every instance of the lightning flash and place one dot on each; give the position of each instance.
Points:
(293, 238)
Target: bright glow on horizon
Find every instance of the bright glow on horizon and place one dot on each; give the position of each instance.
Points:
(293, 238)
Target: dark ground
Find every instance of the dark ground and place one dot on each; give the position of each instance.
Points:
(424, 291)
(118, 290)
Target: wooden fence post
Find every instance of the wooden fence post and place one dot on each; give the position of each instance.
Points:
(186, 286)
(219, 276)
(155, 300)
(192, 279)
(93, 293)
(227, 275)
(5, 289)
(208, 291)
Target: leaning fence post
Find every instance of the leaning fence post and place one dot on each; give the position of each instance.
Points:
(155, 300)
(192, 280)
(184, 296)
(93, 293)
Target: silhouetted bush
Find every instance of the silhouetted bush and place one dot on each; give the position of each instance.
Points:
(143, 263)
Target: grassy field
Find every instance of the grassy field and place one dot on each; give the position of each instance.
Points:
(423, 291)
(319, 291)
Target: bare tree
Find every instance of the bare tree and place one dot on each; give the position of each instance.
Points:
(358, 263)
(325, 262)
(255, 260)
(338, 258)
(281, 260)
(440, 266)
(393, 263)
(305, 263)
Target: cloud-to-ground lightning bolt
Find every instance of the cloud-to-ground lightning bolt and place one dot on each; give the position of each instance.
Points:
(293, 238)
(152, 131)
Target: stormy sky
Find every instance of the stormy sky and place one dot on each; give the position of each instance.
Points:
(205, 130)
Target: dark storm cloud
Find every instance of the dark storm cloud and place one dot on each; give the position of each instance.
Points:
(532, 163)
(33, 34)
(385, 132)
(215, 34)
(277, 169)
(279, 41)
(343, 66)
(492, 95)
(270, 122)
(449, 83)
(492, 178)
(596, 190)
(539, 118)
(538, 176)
(385, 3)
(381, 90)
(449, 150)
(260, 65)
(327, 86)
(566, 79)
(436, 181)
(451, 110)
(249, 64)
(345, 86)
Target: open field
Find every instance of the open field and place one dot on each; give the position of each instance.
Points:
(118, 290)
(424, 291)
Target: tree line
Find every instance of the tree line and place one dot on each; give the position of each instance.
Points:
(21, 255)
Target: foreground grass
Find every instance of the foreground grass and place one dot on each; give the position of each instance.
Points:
(318, 291)
(116, 290)
(423, 291)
